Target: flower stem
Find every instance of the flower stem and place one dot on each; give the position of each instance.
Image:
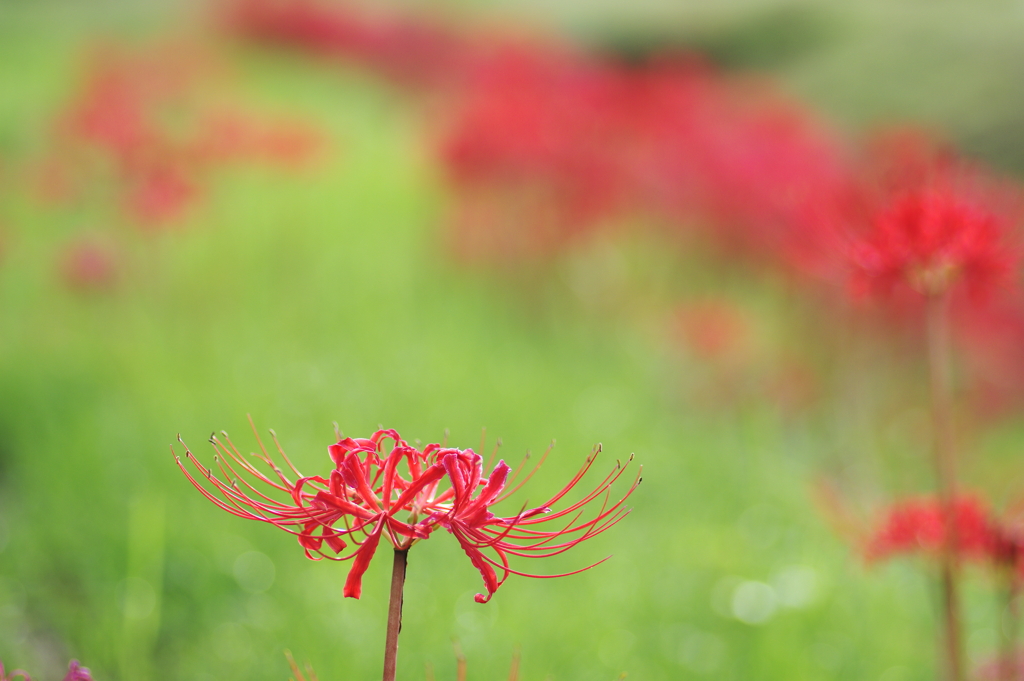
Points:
(395, 614)
(1009, 624)
(944, 459)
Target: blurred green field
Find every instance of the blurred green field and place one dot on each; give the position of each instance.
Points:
(328, 295)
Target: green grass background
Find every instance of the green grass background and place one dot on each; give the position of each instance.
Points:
(329, 295)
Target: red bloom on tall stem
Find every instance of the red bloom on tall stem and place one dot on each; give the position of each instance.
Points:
(933, 234)
(919, 526)
(403, 494)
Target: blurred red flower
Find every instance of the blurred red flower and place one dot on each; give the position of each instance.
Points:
(936, 223)
(142, 123)
(404, 495)
(538, 131)
(918, 526)
(713, 328)
(88, 265)
(409, 49)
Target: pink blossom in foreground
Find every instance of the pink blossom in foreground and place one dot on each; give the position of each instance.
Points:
(403, 494)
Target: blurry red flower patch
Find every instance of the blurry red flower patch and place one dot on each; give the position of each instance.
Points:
(409, 49)
(936, 224)
(536, 131)
(88, 264)
(712, 329)
(402, 494)
(772, 180)
(148, 126)
(918, 526)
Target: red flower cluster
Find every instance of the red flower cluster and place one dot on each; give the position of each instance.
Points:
(409, 50)
(935, 228)
(136, 124)
(545, 145)
(542, 134)
(404, 494)
(919, 526)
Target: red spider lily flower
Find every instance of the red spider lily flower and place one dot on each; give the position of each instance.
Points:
(4, 676)
(919, 526)
(76, 672)
(936, 232)
(403, 495)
